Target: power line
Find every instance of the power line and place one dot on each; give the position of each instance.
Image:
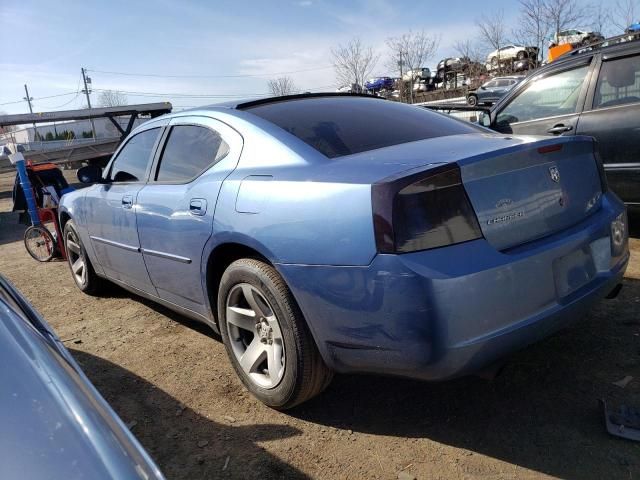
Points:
(182, 95)
(255, 75)
(72, 100)
(39, 98)
(201, 95)
(163, 94)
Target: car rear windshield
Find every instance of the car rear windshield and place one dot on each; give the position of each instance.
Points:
(338, 126)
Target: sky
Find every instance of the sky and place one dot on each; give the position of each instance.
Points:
(191, 49)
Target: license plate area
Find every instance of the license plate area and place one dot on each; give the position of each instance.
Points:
(573, 271)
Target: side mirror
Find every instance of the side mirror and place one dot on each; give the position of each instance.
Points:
(482, 87)
(485, 119)
(90, 174)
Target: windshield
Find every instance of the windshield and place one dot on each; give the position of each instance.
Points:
(337, 126)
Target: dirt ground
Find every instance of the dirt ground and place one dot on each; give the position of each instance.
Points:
(169, 379)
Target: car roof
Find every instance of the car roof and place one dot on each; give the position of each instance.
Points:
(616, 44)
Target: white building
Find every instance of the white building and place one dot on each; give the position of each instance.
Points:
(80, 128)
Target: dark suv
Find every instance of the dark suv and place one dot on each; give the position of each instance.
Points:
(593, 91)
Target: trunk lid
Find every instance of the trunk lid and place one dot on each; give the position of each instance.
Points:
(540, 188)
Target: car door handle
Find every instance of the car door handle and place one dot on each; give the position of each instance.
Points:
(198, 206)
(127, 201)
(560, 128)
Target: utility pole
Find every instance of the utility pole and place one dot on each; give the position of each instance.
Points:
(28, 99)
(401, 65)
(87, 91)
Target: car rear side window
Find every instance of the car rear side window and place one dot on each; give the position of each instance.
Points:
(131, 163)
(338, 126)
(189, 151)
(548, 96)
(619, 83)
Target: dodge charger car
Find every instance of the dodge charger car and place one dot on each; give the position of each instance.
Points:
(325, 233)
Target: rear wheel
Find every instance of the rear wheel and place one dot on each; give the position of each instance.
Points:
(266, 337)
(79, 263)
(521, 55)
(472, 100)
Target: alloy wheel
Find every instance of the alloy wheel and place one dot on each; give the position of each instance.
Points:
(255, 335)
(75, 257)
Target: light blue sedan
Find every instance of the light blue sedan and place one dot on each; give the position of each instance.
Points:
(330, 233)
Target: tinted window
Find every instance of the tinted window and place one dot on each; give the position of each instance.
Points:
(546, 97)
(131, 163)
(337, 126)
(491, 84)
(619, 83)
(189, 151)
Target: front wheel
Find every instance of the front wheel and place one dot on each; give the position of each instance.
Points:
(79, 263)
(521, 55)
(266, 337)
(472, 100)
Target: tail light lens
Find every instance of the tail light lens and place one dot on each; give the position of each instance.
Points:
(421, 212)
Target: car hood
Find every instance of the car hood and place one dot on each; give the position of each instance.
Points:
(54, 422)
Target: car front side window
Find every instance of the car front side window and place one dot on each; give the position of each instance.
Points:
(546, 97)
(189, 151)
(131, 163)
(618, 83)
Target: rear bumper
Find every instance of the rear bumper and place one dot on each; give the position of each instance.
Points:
(446, 312)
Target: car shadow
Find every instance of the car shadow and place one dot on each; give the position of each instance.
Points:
(634, 222)
(10, 229)
(112, 290)
(183, 443)
(540, 413)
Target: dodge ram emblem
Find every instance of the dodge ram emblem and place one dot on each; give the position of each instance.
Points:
(554, 173)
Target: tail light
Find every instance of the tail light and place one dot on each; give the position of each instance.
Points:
(423, 211)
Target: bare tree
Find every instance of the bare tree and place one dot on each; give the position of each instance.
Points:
(8, 128)
(476, 56)
(6, 132)
(624, 14)
(112, 98)
(471, 50)
(493, 32)
(282, 86)
(533, 26)
(602, 19)
(353, 62)
(412, 51)
(563, 14)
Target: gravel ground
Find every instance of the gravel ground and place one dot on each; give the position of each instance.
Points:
(169, 378)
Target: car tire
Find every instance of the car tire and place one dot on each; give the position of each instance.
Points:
(472, 100)
(521, 55)
(81, 268)
(255, 307)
